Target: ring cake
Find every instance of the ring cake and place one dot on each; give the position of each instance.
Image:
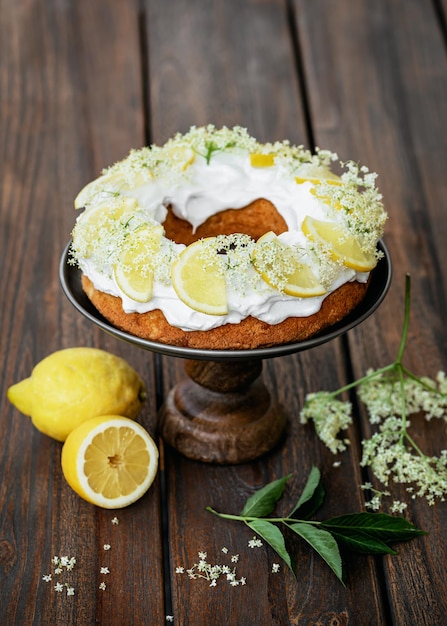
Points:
(216, 241)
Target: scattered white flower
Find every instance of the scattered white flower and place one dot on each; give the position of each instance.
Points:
(336, 464)
(398, 507)
(107, 546)
(275, 568)
(169, 618)
(212, 572)
(102, 586)
(255, 543)
(115, 521)
(71, 563)
(104, 570)
(60, 564)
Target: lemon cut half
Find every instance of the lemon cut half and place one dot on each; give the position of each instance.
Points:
(344, 247)
(197, 278)
(273, 259)
(110, 461)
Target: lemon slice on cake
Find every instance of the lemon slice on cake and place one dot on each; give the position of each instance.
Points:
(198, 280)
(180, 157)
(110, 461)
(109, 185)
(308, 172)
(344, 247)
(99, 222)
(279, 266)
(134, 272)
(258, 159)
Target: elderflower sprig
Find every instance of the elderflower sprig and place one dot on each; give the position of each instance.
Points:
(391, 395)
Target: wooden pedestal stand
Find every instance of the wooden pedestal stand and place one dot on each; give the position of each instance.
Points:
(222, 413)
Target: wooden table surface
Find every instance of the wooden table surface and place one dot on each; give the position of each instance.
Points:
(81, 83)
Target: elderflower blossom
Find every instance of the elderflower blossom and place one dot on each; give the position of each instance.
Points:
(61, 563)
(391, 396)
(384, 396)
(213, 572)
(330, 416)
(255, 543)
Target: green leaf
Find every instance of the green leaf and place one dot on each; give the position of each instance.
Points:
(386, 528)
(273, 536)
(263, 501)
(323, 542)
(362, 543)
(312, 496)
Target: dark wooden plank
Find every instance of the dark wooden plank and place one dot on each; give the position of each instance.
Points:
(206, 74)
(71, 104)
(227, 64)
(376, 74)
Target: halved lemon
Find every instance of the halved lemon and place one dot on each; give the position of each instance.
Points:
(277, 263)
(110, 461)
(197, 278)
(134, 272)
(257, 159)
(344, 247)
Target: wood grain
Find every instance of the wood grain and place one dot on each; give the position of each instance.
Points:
(66, 81)
(82, 83)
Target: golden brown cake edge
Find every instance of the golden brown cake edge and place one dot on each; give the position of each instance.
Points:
(250, 333)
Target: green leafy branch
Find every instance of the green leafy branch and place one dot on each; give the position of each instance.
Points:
(367, 533)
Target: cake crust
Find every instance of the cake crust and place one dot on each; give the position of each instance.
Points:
(250, 333)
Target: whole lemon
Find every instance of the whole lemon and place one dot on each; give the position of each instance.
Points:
(73, 385)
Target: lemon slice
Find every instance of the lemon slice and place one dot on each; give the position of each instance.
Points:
(278, 266)
(344, 247)
(100, 221)
(110, 461)
(258, 159)
(308, 172)
(197, 279)
(134, 272)
(110, 184)
(181, 157)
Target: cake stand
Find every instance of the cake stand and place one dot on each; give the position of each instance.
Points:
(222, 412)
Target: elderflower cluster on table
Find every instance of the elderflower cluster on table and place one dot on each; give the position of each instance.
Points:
(391, 395)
